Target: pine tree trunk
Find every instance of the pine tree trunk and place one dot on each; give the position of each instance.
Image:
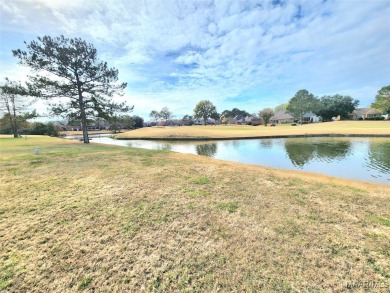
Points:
(12, 118)
(14, 127)
(83, 117)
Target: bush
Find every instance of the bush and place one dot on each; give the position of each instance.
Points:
(6, 130)
(39, 128)
(376, 118)
(24, 131)
(52, 130)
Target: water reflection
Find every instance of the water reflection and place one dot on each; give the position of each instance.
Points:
(208, 150)
(379, 156)
(236, 144)
(265, 143)
(165, 147)
(301, 151)
(354, 158)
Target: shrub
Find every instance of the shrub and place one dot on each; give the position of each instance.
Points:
(6, 130)
(376, 118)
(39, 128)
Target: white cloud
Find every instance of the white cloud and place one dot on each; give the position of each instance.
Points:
(174, 53)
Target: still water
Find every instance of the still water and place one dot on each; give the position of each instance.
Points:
(366, 159)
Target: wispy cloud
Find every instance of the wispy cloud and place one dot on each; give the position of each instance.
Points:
(246, 54)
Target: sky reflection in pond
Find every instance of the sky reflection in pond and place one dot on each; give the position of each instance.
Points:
(366, 159)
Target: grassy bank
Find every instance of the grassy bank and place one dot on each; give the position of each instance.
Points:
(237, 131)
(108, 218)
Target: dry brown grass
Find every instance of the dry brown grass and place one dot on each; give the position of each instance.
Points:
(237, 131)
(115, 219)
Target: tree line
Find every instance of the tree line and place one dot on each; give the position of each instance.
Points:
(327, 106)
(204, 110)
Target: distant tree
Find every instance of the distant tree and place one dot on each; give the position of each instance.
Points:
(166, 114)
(22, 124)
(113, 116)
(265, 115)
(138, 121)
(115, 126)
(155, 115)
(188, 120)
(301, 103)
(227, 114)
(332, 106)
(382, 100)
(281, 107)
(72, 73)
(126, 121)
(99, 121)
(234, 112)
(13, 104)
(204, 109)
(216, 116)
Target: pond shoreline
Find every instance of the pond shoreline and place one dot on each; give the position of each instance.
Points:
(202, 138)
(361, 158)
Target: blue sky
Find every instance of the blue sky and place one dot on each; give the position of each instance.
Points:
(244, 54)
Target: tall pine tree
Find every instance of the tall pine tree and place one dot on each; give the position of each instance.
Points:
(68, 69)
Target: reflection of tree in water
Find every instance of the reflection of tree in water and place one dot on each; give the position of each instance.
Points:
(165, 147)
(302, 151)
(331, 150)
(208, 150)
(298, 152)
(236, 144)
(379, 155)
(265, 143)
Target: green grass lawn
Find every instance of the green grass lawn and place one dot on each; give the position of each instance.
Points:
(94, 217)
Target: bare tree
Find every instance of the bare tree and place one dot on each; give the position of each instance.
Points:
(14, 103)
(266, 114)
(166, 114)
(154, 115)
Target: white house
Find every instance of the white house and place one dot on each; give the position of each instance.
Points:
(311, 117)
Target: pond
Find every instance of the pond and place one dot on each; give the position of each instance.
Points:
(366, 159)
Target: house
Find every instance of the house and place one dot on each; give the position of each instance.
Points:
(232, 121)
(281, 117)
(252, 120)
(171, 122)
(240, 119)
(364, 113)
(310, 117)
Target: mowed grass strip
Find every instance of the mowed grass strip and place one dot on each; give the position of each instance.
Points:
(237, 131)
(92, 217)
